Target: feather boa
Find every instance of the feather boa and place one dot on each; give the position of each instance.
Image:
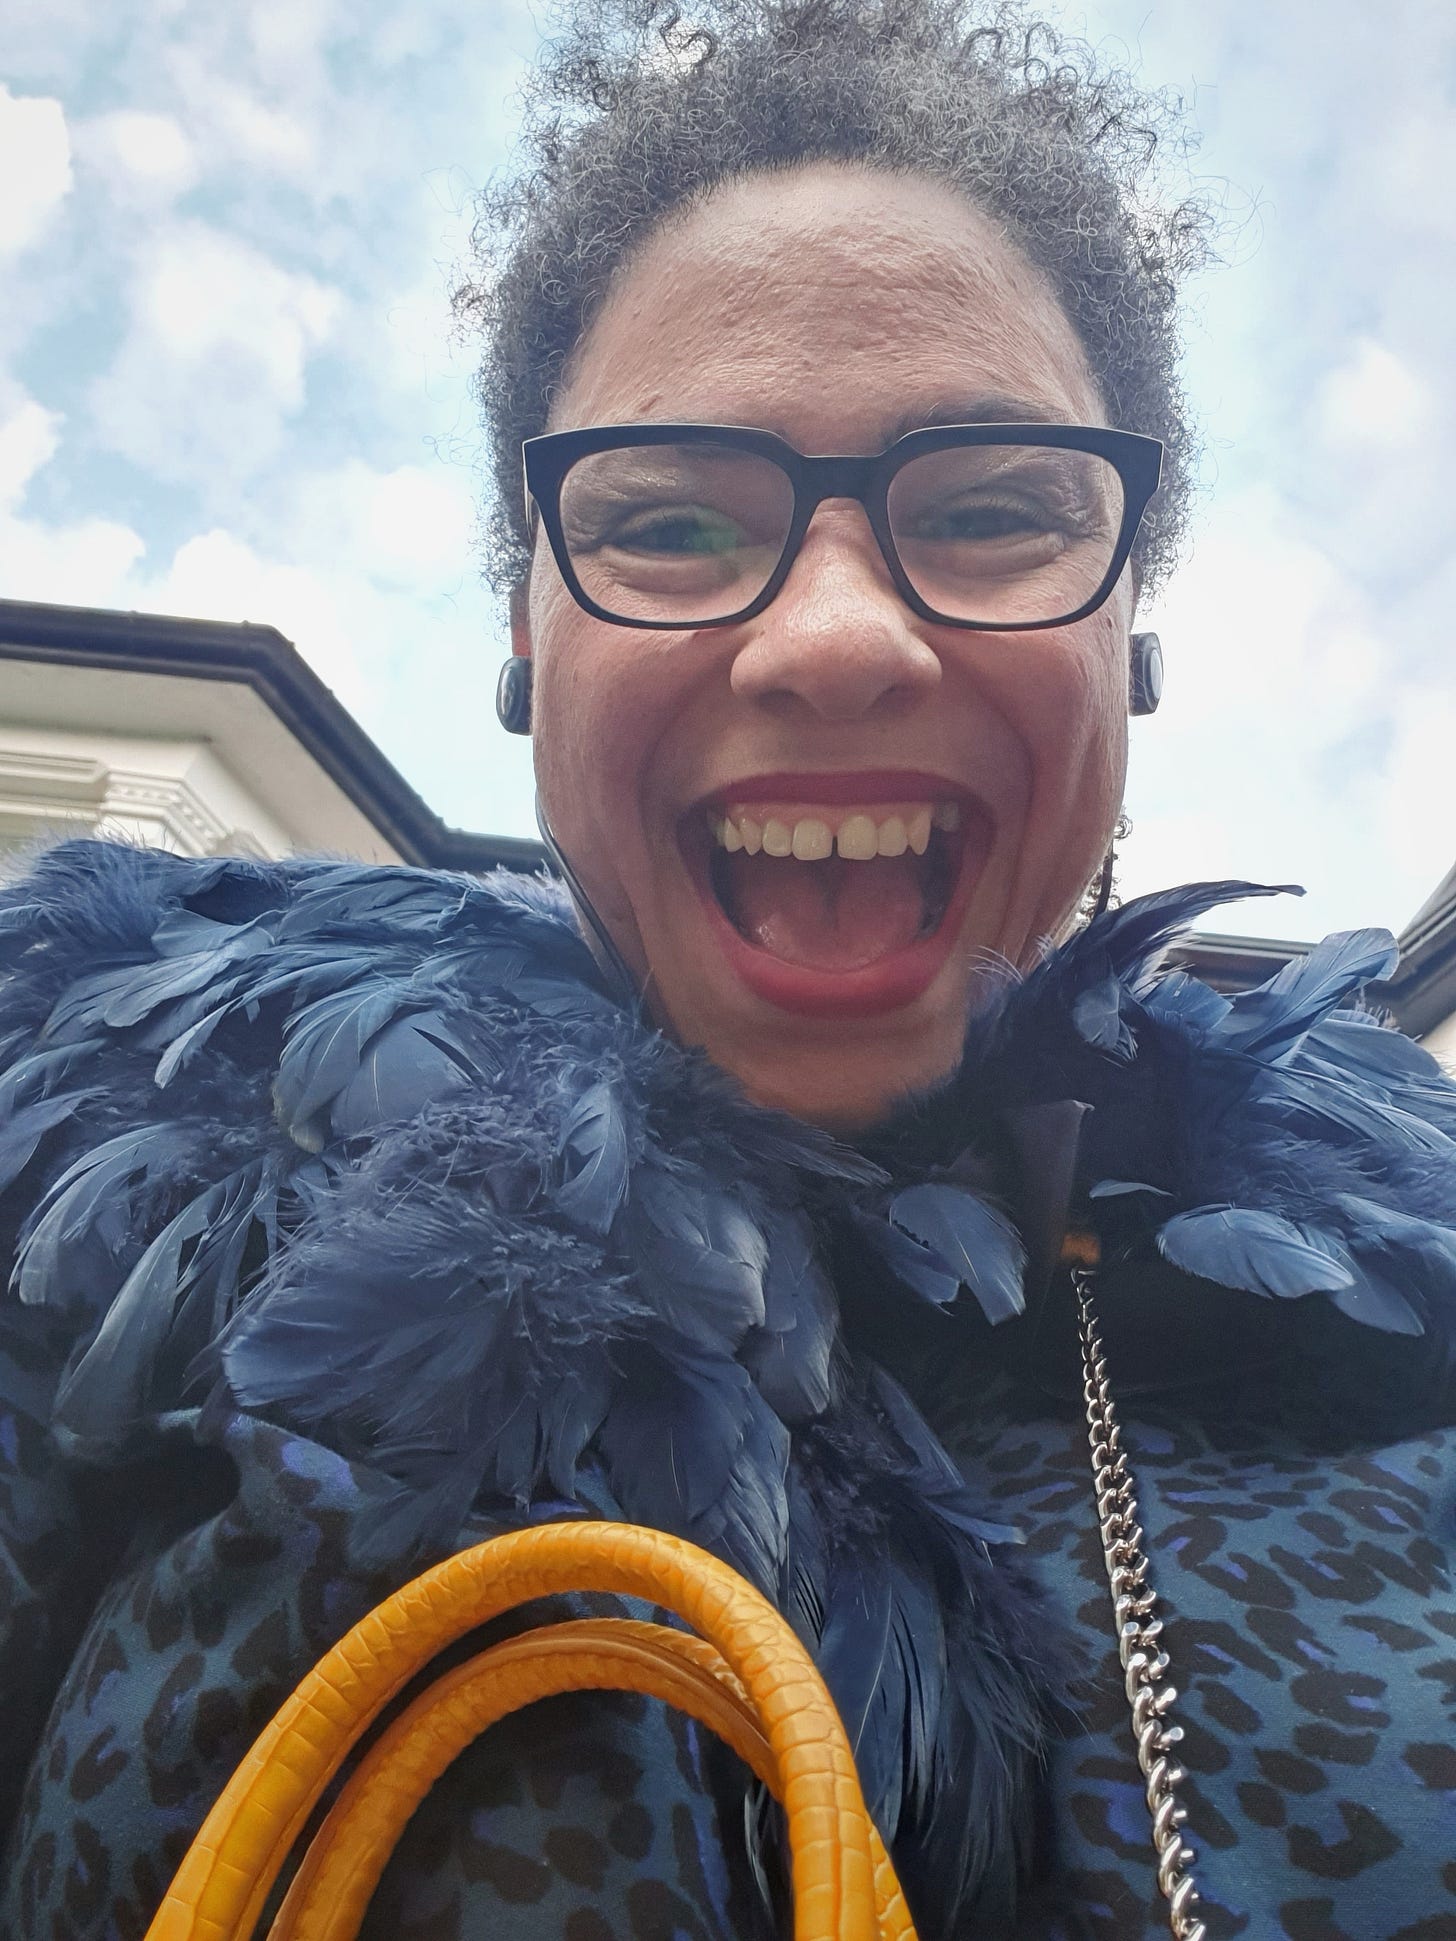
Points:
(377, 1153)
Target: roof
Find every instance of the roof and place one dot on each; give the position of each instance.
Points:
(262, 660)
(1423, 989)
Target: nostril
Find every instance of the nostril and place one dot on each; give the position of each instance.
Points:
(837, 672)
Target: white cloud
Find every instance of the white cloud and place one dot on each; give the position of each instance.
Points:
(1373, 399)
(1292, 744)
(29, 437)
(84, 563)
(238, 123)
(139, 155)
(214, 361)
(217, 576)
(88, 564)
(407, 527)
(35, 166)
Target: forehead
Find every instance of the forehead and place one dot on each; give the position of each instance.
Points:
(835, 305)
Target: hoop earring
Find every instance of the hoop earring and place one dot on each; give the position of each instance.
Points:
(513, 696)
(1099, 893)
(1103, 895)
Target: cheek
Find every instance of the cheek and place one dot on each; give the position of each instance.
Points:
(1071, 710)
(1076, 717)
(604, 697)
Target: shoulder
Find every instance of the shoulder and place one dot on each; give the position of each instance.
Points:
(87, 905)
(179, 1036)
(121, 949)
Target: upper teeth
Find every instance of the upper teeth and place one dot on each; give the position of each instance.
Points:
(858, 834)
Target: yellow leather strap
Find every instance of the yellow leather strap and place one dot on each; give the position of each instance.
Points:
(333, 1886)
(227, 1875)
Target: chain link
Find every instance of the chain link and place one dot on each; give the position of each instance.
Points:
(1139, 1628)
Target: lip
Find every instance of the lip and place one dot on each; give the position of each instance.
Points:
(868, 785)
(897, 980)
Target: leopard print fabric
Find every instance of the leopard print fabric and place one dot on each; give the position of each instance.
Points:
(1308, 1595)
(1307, 1592)
(590, 1819)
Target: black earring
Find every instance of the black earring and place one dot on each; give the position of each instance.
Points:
(1145, 674)
(513, 696)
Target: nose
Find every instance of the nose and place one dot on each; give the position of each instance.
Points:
(837, 641)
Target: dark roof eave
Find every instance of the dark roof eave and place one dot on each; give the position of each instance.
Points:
(262, 659)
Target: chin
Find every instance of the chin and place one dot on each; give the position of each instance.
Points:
(852, 1088)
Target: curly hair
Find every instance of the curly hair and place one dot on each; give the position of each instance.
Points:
(635, 109)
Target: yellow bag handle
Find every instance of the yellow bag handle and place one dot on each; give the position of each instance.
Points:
(746, 1676)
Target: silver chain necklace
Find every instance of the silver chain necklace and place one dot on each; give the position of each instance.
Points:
(1139, 1628)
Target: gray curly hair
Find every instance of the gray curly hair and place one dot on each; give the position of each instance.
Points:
(635, 109)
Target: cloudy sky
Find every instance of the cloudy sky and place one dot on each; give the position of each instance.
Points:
(228, 388)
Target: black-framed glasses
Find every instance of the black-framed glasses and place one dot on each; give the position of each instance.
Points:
(1001, 527)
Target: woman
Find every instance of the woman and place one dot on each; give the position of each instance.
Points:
(360, 1213)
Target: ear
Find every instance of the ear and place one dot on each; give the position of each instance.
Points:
(520, 616)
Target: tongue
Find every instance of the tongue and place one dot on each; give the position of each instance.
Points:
(834, 915)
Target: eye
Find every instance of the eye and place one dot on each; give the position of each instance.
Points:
(678, 532)
(983, 518)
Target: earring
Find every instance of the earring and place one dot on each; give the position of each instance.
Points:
(1098, 895)
(513, 696)
(1145, 674)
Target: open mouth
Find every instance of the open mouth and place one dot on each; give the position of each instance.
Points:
(837, 907)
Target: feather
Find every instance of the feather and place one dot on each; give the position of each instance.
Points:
(596, 1156)
(360, 900)
(125, 996)
(198, 1253)
(966, 1238)
(38, 1072)
(1392, 1230)
(87, 1221)
(914, 1265)
(701, 1253)
(1375, 1302)
(934, 1476)
(691, 1447)
(1272, 1020)
(1186, 1003)
(789, 1356)
(22, 1131)
(1359, 1047)
(186, 1043)
(1097, 1015)
(1384, 1241)
(323, 1049)
(1329, 1111)
(1246, 1247)
(1128, 942)
(854, 1652)
(406, 1065)
(1131, 937)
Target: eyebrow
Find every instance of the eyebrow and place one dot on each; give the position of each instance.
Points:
(992, 408)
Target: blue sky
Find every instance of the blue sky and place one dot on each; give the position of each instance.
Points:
(229, 387)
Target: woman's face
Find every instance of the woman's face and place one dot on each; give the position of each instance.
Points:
(839, 308)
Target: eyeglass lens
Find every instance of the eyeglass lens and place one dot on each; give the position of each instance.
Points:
(693, 532)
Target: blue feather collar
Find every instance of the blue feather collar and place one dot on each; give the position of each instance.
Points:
(375, 1152)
